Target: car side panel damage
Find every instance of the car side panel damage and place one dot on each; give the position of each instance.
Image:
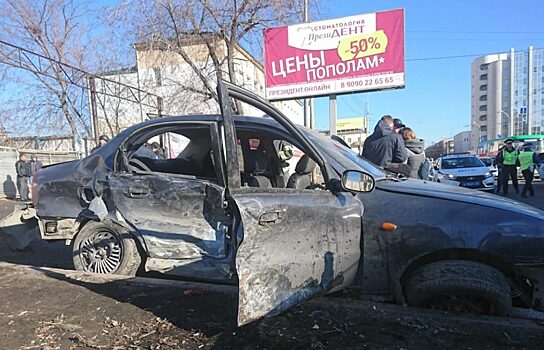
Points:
(178, 218)
(297, 244)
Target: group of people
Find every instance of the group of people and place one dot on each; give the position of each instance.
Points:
(507, 161)
(395, 147)
(25, 171)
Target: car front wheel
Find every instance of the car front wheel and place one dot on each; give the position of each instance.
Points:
(105, 248)
(459, 285)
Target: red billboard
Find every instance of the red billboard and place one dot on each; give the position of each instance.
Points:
(356, 53)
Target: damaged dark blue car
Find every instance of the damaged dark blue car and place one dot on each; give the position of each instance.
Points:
(278, 210)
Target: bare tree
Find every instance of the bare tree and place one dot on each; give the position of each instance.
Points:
(55, 30)
(218, 26)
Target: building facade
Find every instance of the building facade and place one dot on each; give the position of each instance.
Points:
(507, 95)
(444, 146)
(162, 71)
(461, 141)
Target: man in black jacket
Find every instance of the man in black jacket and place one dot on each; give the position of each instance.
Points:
(385, 145)
(23, 176)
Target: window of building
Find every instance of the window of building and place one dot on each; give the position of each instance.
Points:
(483, 108)
(483, 87)
(483, 98)
(484, 66)
(483, 128)
(483, 117)
(483, 77)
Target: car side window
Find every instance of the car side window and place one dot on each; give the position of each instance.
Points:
(180, 150)
(271, 162)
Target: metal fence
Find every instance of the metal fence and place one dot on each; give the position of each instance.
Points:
(9, 156)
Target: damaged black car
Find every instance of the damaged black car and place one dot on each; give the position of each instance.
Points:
(278, 210)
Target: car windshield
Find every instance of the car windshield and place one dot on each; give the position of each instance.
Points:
(487, 161)
(461, 162)
(348, 159)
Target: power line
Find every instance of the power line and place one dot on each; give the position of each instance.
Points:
(445, 57)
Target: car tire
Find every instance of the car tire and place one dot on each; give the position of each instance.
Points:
(107, 248)
(459, 285)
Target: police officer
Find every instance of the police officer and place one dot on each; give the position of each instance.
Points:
(527, 160)
(508, 158)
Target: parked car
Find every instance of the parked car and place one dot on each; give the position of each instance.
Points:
(222, 209)
(488, 162)
(465, 170)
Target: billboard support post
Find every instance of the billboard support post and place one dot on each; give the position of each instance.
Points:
(332, 115)
(307, 122)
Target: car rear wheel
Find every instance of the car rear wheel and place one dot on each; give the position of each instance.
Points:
(105, 248)
(459, 285)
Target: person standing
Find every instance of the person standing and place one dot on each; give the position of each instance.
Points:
(102, 140)
(415, 150)
(508, 158)
(23, 176)
(499, 169)
(157, 152)
(385, 145)
(527, 160)
(35, 165)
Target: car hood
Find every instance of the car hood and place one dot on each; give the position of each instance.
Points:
(459, 194)
(466, 171)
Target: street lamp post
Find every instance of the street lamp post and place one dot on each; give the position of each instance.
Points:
(510, 124)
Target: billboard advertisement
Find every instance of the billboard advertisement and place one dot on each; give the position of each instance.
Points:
(356, 53)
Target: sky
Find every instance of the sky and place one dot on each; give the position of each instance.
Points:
(435, 102)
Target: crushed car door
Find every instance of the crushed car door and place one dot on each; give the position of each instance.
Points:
(179, 217)
(296, 243)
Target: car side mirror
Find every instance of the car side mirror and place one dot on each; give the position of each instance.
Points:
(357, 181)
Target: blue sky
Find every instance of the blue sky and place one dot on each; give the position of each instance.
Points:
(436, 99)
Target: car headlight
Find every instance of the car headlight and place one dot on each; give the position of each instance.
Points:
(488, 174)
(451, 176)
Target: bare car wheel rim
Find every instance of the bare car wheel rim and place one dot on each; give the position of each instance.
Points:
(101, 252)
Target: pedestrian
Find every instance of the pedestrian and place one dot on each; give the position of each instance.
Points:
(386, 145)
(499, 170)
(508, 158)
(156, 149)
(415, 149)
(102, 140)
(23, 176)
(527, 162)
(35, 165)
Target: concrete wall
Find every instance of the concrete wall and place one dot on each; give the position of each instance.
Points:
(8, 157)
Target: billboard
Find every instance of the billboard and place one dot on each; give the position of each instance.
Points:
(356, 53)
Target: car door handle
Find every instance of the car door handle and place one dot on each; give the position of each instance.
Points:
(270, 217)
(137, 192)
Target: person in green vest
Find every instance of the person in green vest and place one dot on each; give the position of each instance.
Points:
(527, 161)
(508, 158)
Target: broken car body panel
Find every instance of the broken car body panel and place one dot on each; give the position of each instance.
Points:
(283, 260)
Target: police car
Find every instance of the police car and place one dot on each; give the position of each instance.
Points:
(465, 170)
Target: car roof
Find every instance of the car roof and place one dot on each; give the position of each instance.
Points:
(457, 155)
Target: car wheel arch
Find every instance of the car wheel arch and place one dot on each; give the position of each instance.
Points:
(475, 255)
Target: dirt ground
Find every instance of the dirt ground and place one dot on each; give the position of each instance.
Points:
(48, 309)
(44, 308)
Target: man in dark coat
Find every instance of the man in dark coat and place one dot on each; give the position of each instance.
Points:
(35, 165)
(23, 176)
(385, 145)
